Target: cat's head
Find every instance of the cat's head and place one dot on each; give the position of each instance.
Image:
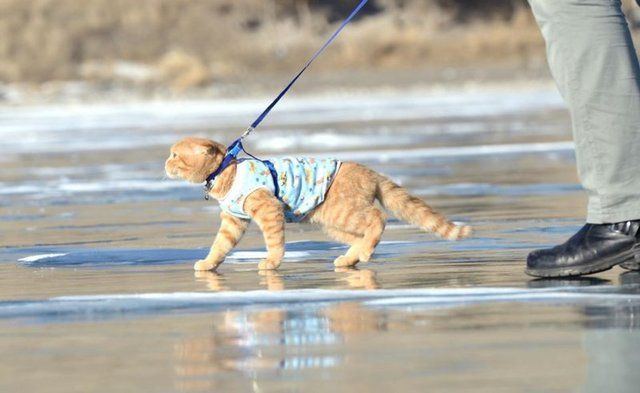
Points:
(194, 159)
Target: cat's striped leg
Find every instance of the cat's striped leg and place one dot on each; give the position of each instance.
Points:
(229, 234)
(368, 221)
(351, 257)
(268, 213)
(375, 222)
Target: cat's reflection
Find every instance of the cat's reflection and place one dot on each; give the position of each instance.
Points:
(253, 342)
(358, 279)
(214, 281)
(270, 279)
(273, 280)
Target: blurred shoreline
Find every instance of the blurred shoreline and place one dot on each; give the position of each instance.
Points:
(61, 52)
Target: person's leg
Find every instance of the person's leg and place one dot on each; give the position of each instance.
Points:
(594, 63)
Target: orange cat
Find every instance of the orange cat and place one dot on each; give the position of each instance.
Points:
(343, 202)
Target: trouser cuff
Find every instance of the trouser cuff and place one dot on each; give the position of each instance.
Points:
(610, 210)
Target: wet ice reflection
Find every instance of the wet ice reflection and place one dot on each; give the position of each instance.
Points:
(253, 343)
(266, 341)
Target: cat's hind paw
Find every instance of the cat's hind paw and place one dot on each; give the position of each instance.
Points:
(365, 256)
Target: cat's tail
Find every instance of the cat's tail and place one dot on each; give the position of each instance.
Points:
(415, 211)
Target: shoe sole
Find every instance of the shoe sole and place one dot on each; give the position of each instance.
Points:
(595, 267)
(633, 265)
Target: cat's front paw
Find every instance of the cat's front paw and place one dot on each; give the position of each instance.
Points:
(204, 265)
(268, 264)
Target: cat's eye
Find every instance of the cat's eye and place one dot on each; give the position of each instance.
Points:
(174, 155)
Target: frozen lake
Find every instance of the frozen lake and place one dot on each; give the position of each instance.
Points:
(97, 291)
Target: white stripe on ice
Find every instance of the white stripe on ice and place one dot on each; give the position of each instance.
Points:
(55, 188)
(35, 258)
(440, 152)
(306, 110)
(96, 127)
(253, 255)
(93, 305)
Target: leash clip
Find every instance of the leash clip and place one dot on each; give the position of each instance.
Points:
(248, 131)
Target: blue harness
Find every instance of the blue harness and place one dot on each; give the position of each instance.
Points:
(236, 147)
(232, 154)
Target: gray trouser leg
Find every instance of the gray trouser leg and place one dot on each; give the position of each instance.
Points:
(595, 66)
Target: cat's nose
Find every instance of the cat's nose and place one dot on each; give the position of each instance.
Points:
(167, 170)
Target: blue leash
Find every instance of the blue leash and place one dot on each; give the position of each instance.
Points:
(264, 114)
(236, 147)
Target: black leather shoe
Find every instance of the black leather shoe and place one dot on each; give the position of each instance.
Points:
(595, 248)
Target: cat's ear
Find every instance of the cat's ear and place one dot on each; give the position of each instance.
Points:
(206, 148)
(215, 149)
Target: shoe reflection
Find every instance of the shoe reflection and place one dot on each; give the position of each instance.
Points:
(630, 278)
(611, 341)
(567, 282)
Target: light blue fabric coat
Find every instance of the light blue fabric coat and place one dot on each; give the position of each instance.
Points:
(303, 184)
